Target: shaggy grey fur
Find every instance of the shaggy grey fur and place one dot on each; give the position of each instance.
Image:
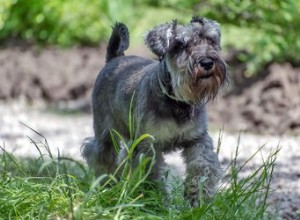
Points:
(169, 98)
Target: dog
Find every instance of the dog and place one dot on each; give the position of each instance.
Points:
(167, 97)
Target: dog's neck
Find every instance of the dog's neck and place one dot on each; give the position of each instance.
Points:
(169, 105)
(164, 82)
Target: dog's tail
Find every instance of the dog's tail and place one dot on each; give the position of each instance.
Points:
(118, 42)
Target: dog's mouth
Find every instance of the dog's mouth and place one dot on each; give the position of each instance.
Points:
(200, 74)
(205, 76)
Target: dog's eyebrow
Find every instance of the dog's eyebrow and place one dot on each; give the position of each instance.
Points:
(212, 33)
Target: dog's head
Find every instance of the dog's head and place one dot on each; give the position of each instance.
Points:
(191, 54)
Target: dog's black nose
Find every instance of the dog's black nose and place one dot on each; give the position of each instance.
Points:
(207, 63)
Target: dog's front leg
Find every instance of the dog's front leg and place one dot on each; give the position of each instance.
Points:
(203, 170)
(158, 164)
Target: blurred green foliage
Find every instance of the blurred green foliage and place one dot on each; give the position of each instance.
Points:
(64, 23)
(268, 30)
(53, 22)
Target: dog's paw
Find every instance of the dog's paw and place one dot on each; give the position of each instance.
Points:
(196, 190)
(191, 191)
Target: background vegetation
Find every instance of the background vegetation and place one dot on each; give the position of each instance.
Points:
(267, 30)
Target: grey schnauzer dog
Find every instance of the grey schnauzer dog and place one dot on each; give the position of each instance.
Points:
(168, 98)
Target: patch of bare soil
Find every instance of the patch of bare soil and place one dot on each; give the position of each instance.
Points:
(268, 104)
(53, 74)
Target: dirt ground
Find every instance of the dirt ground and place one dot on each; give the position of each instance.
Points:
(49, 90)
(268, 104)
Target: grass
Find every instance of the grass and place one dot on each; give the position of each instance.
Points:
(55, 187)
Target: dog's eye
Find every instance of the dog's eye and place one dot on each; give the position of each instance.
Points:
(210, 40)
(178, 45)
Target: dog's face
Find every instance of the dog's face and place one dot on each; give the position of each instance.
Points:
(191, 53)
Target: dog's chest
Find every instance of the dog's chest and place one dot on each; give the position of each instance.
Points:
(169, 131)
(172, 123)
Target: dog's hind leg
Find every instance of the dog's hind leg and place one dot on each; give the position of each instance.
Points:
(100, 154)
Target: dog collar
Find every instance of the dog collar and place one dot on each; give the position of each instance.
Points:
(163, 88)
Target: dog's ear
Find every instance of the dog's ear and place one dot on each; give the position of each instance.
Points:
(211, 28)
(159, 38)
(197, 19)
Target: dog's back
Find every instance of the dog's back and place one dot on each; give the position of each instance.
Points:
(114, 87)
(93, 149)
